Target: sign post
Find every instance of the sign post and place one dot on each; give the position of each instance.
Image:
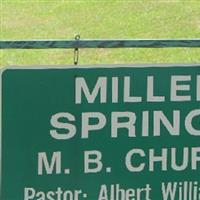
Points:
(105, 133)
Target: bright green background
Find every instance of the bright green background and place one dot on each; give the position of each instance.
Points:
(61, 19)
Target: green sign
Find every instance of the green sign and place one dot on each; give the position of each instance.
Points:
(103, 133)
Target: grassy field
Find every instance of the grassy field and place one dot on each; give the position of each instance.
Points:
(62, 19)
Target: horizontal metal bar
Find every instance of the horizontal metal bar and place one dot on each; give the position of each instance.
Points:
(68, 44)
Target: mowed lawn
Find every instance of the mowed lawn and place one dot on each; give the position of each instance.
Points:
(61, 19)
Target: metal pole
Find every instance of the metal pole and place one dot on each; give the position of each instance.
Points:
(72, 44)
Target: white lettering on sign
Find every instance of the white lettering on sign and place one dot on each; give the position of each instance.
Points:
(160, 118)
(166, 159)
(175, 88)
(100, 87)
(189, 125)
(58, 194)
(121, 121)
(129, 125)
(95, 161)
(198, 88)
(87, 127)
(62, 125)
(43, 163)
(179, 90)
(127, 91)
(150, 91)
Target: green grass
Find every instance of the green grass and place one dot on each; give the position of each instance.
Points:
(59, 19)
